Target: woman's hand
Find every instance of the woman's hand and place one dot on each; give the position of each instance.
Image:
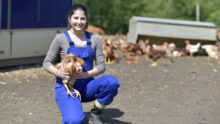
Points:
(87, 74)
(81, 75)
(60, 73)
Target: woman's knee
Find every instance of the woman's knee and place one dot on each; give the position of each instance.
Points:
(112, 81)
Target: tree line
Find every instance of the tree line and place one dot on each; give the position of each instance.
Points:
(113, 15)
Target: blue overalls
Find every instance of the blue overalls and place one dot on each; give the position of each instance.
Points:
(104, 88)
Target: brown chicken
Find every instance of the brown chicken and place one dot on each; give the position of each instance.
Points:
(72, 65)
(123, 44)
(160, 47)
(145, 46)
(110, 54)
(154, 55)
(218, 34)
(95, 29)
(132, 59)
(134, 48)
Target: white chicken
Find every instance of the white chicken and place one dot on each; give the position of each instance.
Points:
(169, 48)
(180, 52)
(212, 51)
(172, 46)
(192, 48)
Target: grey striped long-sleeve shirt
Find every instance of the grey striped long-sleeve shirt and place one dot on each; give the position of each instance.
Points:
(60, 45)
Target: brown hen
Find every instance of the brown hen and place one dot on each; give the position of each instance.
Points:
(154, 55)
(132, 59)
(72, 65)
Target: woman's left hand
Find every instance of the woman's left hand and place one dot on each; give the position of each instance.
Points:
(87, 74)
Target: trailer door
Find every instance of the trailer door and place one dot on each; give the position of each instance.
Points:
(4, 44)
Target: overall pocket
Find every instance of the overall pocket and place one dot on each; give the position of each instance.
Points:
(79, 52)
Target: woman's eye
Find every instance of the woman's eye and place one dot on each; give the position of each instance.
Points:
(83, 18)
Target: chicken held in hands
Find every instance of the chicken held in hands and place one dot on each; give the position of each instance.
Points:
(73, 66)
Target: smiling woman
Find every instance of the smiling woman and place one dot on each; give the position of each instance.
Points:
(78, 21)
(87, 46)
(78, 14)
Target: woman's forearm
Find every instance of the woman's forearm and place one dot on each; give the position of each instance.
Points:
(93, 72)
(53, 70)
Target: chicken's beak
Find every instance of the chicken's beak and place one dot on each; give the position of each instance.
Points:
(73, 69)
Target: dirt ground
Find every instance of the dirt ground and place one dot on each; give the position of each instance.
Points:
(184, 92)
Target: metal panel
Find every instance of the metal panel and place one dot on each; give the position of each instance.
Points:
(31, 43)
(22, 61)
(4, 14)
(39, 13)
(178, 29)
(171, 21)
(4, 44)
(132, 32)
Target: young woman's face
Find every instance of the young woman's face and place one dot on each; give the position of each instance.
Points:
(78, 20)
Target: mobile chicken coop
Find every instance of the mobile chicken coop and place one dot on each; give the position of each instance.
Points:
(159, 30)
(27, 28)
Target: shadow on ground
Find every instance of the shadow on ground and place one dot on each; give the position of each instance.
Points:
(110, 116)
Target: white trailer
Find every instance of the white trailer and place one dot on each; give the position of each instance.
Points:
(27, 29)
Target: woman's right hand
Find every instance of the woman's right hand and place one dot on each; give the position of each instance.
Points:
(60, 73)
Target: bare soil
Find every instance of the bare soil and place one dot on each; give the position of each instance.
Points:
(184, 92)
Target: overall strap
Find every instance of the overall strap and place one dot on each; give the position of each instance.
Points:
(88, 38)
(69, 39)
(72, 42)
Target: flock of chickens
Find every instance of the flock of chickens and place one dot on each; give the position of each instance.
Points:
(152, 51)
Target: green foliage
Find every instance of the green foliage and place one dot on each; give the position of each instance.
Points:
(113, 15)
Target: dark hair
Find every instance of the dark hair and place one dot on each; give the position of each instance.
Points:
(77, 7)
